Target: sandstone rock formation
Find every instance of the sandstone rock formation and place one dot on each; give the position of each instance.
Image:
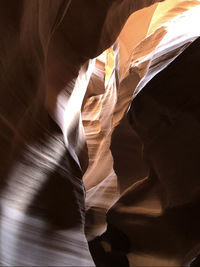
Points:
(70, 72)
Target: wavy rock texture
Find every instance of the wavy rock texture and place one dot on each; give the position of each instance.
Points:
(69, 72)
(167, 33)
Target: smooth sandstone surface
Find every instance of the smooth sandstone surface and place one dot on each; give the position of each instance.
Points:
(69, 72)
